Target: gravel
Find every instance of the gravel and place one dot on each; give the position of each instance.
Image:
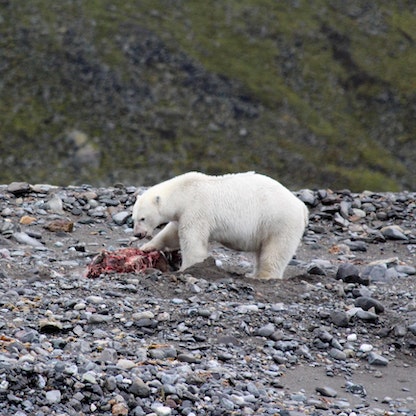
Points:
(338, 337)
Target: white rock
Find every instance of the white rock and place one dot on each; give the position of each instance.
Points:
(95, 299)
(366, 347)
(161, 410)
(125, 364)
(352, 337)
(247, 308)
(143, 315)
(53, 396)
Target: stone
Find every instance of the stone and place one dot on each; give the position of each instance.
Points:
(126, 364)
(316, 269)
(405, 269)
(377, 359)
(327, 391)
(348, 273)
(393, 232)
(338, 219)
(139, 388)
(339, 318)
(55, 205)
(18, 188)
(120, 218)
(266, 330)
(50, 325)
(27, 220)
(23, 238)
(412, 328)
(366, 315)
(120, 409)
(366, 347)
(367, 303)
(337, 354)
(53, 396)
(56, 226)
(354, 388)
(308, 197)
(376, 273)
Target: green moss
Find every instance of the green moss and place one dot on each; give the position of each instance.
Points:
(276, 55)
(362, 179)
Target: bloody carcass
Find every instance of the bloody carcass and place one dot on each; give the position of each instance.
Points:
(132, 260)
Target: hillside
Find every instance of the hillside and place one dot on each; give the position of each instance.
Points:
(316, 94)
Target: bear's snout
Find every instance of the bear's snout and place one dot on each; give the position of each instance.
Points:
(139, 232)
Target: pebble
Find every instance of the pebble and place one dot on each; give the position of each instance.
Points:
(23, 238)
(120, 218)
(53, 396)
(339, 318)
(348, 273)
(393, 232)
(368, 303)
(327, 391)
(377, 359)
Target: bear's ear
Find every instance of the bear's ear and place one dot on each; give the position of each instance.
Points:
(157, 200)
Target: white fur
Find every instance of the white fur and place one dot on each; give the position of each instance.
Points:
(243, 211)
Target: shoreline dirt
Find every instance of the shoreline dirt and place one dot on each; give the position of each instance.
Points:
(207, 341)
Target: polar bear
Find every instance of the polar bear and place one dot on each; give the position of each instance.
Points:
(242, 211)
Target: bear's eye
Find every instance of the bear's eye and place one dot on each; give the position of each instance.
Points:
(142, 219)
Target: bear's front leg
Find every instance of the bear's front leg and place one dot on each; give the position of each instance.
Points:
(166, 240)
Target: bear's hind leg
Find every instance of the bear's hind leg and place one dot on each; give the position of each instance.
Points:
(273, 258)
(194, 248)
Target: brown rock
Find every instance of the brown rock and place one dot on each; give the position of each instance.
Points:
(60, 225)
(27, 219)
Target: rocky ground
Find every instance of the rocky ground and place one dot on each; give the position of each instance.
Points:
(337, 337)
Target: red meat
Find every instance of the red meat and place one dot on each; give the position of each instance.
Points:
(131, 260)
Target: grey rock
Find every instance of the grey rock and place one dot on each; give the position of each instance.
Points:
(338, 219)
(337, 354)
(121, 217)
(308, 197)
(393, 232)
(266, 330)
(412, 328)
(399, 330)
(53, 396)
(56, 205)
(404, 269)
(139, 388)
(108, 355)
(316, 269)
(366, 315)
(339, 318)
(356, 245)
(163, 353)
(18, 188)
(354, 388)
(376, 273)
(348, 273)
(327, 391)
(367, 303)
(97, 318)
(188, 358)
(324, 335)
(377, 359)
(23, 238)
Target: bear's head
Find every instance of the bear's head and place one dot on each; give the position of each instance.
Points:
(146, 214)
